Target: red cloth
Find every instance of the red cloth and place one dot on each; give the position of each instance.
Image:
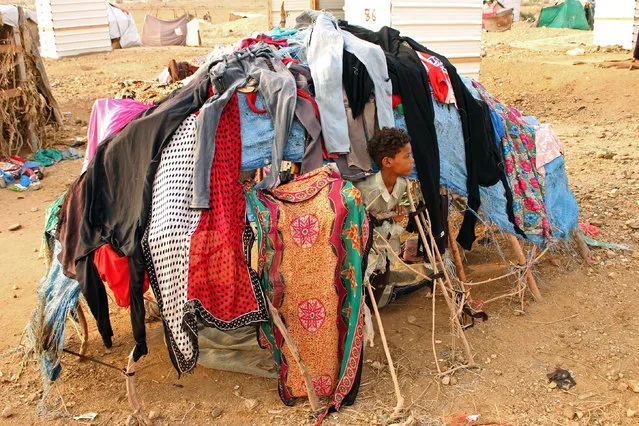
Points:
(397, 101)
(114, 270)
(287, 61)
(251, 98)
(218, 274)
(439, 78)
(265, 38)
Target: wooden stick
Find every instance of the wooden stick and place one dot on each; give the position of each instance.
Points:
(454, 249)
(521, 259)
(138, 411)
(397, 412)
(306, 376)
(431, 255)
(584, 251)
(432, 332)
(84, 330)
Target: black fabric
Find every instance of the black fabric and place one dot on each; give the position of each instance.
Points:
(636, 52)
(482, 157)
(357, 83)
(410, 80)
(95, 294)
(118, 187)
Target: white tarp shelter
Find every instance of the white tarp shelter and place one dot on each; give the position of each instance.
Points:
(122, 26)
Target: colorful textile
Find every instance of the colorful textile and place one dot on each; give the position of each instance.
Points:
(47, 157)
(175, 229)
(114, 270)
(50, 225)
(109, 116)
(220, 288)
(527, 184)
(439, 79)
(548, 145)
(57, 297)
(316, 216)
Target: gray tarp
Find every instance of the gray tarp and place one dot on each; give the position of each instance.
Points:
(157, 32)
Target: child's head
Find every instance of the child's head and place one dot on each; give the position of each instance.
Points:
(390, 149)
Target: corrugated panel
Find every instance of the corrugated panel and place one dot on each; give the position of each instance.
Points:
(614, 23)
(635, 33)
(73, 27)
(451, 28)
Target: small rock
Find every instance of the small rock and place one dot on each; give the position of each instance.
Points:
(612, 275)
(622, 387)
(493, 356)
(411, 319)
(634, 385)
(7, 412)
(552, 385)
(216, 412)
(15, 227)
(569, 412)
(453, 380)
(633, 224)
(15, 287)
(446, 380)
(251, 403)
(153, 415)
(635, 255)
(34, 209)
(236, 387)
(377, 365)
(498, 373)
(631, 413)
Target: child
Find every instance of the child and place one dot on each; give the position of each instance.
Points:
(384, 195)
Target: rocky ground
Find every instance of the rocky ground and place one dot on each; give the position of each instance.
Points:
(587, 323)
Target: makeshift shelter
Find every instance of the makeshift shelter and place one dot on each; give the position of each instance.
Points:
(158, 32)
(237, 156)
(27, 105)
(122, 29)
(569, 14)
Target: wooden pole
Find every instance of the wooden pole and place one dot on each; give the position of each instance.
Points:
(433, 260)
(84, 330)
(521, 259)
(397, 412)
(454, 250)
(22, 74)
(138, 411)
(306, 376)
(584, 251)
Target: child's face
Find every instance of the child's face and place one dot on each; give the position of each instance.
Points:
(402, 163)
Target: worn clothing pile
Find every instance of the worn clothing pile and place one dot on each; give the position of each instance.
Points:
(174, 193)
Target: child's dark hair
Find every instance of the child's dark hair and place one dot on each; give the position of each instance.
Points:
(386, 142)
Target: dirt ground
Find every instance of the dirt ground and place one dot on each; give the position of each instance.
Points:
(586, 324)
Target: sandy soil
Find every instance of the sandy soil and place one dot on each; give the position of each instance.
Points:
(587, 323)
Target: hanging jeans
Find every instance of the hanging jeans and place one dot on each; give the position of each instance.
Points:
(325, 51)
(278, 89)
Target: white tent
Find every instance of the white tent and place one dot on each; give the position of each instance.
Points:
(122, 26)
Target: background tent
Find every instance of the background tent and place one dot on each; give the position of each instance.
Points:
(122, 27)
(569, 14)
(157, 32)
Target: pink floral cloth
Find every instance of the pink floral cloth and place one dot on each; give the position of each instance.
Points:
(520, 161)
(548, 145)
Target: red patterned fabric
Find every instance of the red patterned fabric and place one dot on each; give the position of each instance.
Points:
(218, 274)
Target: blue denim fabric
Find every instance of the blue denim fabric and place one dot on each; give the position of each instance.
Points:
(258, 132)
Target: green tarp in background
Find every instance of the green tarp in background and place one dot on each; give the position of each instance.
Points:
(569, 14)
